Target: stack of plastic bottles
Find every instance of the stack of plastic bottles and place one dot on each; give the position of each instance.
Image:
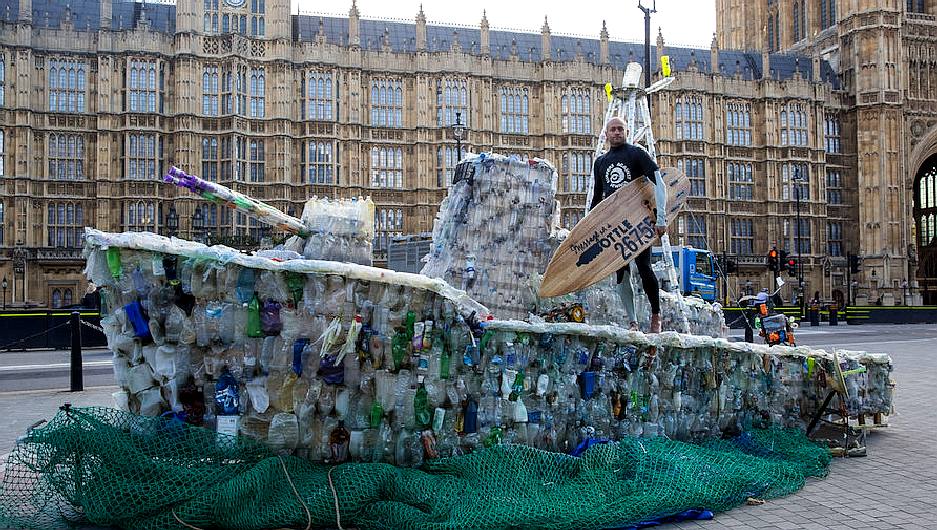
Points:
(497, 230)
(341, 361)
(339, 230)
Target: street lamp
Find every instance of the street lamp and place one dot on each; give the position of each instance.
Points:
(798, 178)
(458, 132)
(198, 223)
(647, 39)
(4, 285)
(172, 222)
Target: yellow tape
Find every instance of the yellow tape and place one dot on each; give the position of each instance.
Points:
(608, 91)
(665, 65)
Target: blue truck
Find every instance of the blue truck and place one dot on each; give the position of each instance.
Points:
(695, 268)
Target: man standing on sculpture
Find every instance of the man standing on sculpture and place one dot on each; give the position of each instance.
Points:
(620, 165)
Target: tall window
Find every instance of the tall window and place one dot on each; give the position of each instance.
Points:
(834, 239)
(67, 85)
(257, 93)
(250, 227)
(2, 151)
(452, 96)
(386, 103)
(62, 297)
(695, 170)
(143, 86)
(257, 160)
(317, 163)
(739, 123)
(741, 181)
(772, 36)
(743, 236)
(515, 115)
(694, 226)
(143, 154)
(446, 159)
(802, 237)
(2, 78)
(234, 91)
(577, 170)
(386, 167)
(834, 187)
(65, 224)
(828, 13)
(211, 159)
(927, 207)
(571, 218)
(212, 222)
(258, 8)
(2, 223)
(387, 224)
(212, 16)
(66, 156)
(831, 134)
(797, 22)
(210, 92)
(795, 177)
(916, 6)
(240, 158)
(688, 114)
(794, 124)
(140, 216)
(576, 110)
(316, 90)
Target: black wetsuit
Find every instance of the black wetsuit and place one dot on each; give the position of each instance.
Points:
(619, 166)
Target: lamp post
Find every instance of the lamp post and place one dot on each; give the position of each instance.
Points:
(198, 224)
(4, 285)
(647, 39)
(172, 222)
(798, 178)
(458, 132)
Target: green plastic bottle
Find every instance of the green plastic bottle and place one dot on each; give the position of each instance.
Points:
(400, 348)
(294, 282)
(253, 318)
(421, 406)
(443, 360)
(113, 262)
(377, 412)
(410, 321)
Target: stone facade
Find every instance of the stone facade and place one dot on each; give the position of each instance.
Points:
(101, 97)
(884, 54)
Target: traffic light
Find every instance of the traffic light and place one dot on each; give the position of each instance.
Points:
(853, 264)
(791, 265)
(773, 263)
(783, 261)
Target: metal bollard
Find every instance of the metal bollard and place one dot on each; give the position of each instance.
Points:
(77, 384)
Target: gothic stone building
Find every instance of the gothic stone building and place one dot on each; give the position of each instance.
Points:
(99, 97)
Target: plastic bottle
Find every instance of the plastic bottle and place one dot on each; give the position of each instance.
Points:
(399, 348)
(444, 359)
(375, 415)
(113, 262)
(421, 406)
(185, 276)
(253, 318)
(470, 419)
(245, 285)
(409, 324)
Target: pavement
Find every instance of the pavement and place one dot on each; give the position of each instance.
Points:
(894, 487)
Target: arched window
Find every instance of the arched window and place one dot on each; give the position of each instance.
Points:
(56, 298)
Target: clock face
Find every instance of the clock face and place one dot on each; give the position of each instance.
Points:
(235, 3)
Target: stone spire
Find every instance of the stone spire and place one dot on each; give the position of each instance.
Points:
(26, 11)
(486, 38)
(714, 55)
(421, 30)
(546, 42)
(603, 45)
(354, 33)
(659, 48)
(106, 14)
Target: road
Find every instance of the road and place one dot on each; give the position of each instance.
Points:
(49, 370)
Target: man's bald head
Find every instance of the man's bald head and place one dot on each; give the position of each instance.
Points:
(615, 132)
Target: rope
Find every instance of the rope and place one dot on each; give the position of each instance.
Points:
(338, 514)
(92, 326)
(306, 508)
(183, 523)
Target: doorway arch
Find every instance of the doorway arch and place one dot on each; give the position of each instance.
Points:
(925, 227)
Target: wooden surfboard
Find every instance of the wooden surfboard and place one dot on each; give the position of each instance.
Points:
(612, 234)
